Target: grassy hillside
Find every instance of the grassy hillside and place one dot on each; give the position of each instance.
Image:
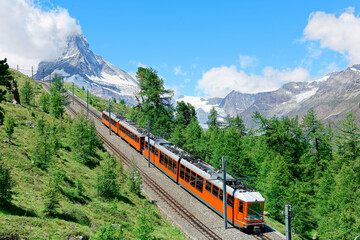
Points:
(85, 216)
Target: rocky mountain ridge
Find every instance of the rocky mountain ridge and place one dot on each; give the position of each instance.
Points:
(331, 96)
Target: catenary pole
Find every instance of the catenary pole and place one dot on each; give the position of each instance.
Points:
(73, 91)
(288, 221)
(148, 142)
(32, 72)
(109, 117)
(87, 102)
(43, 75)
(224, 191)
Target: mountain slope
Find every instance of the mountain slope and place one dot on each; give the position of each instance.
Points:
(80, 65)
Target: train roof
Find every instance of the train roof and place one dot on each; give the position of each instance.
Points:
(128, 124)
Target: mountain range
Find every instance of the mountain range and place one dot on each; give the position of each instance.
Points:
(331, 96)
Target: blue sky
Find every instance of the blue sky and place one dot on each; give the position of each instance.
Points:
(207, 48)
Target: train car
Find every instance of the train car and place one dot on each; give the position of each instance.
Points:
(126, 129)
(245, 206)
(160, 155)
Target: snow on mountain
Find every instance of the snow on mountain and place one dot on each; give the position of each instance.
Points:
(79, 65)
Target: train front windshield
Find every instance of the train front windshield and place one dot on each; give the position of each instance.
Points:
(255, 211)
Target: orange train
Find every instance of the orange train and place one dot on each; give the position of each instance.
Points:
(245, 206)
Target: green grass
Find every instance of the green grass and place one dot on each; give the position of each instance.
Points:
(76, 216)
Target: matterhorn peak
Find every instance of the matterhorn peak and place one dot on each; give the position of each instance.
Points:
(79, 65)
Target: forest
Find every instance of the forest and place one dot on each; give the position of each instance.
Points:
(312, 165)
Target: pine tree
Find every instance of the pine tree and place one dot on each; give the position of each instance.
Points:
(57, 99)
(107, 178)
(5, 79)
(156, 104)
(6, 184)
(44, 101)
(9, 126)
(51, 198)
(42, 150)
(185, 112)
(83, 139)
(27, 92)
(348, 138)
(213, 119)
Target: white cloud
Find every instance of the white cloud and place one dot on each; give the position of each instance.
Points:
(30, 35)
(337, 33)
(186, 80)
(177, 71)
(218, 82)
(139, 64)
(247, 61)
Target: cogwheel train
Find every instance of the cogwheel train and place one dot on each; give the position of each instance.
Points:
(245, 206)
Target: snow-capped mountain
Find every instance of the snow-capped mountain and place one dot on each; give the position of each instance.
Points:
(331, 96)
(80, 65)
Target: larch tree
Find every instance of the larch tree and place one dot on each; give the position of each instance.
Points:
(156, 101)
(27, 92)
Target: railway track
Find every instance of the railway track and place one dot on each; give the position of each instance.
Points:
(153, 185)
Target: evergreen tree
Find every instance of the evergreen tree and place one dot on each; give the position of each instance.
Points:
(44, 101)
(6, 184)
(51, 198)
(9, 126)
(185, 112)
(42, 150)
(348, 138)
(194, 137)
(107, 178)
(83, 139)
(57, 99)
(213, 118)
(5, 78)
(27, 92)
(156, 103)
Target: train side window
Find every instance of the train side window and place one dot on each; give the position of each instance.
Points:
(156, 152)
(199, 183)
(221, 194)
(230, 200)
(146, 145)
(170, 163)
(241, 206)
(174, 166)
(187, 175)
(208, 186)
(161, 158)
(182, 171)
(193, 179)
(166, 163)
(215, 191)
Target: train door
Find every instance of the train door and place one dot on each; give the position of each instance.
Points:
(142, 140)
(239, 212)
